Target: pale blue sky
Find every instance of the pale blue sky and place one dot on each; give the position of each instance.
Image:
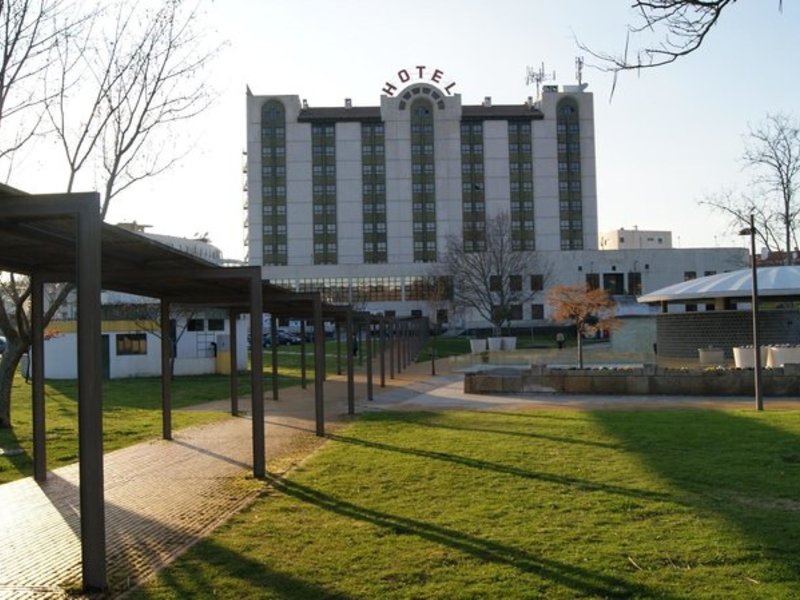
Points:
(669, 137)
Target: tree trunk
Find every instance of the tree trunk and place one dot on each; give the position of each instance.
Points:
(8, 364)
(580, 350)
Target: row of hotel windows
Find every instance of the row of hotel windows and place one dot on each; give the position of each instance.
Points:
(423, 186)
(372, 289)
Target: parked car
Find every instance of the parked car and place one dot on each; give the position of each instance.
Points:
(285, 338)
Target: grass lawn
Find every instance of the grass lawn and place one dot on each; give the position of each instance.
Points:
(561, 504)
(132, 409)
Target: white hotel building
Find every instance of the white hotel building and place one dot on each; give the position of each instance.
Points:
(360, 201)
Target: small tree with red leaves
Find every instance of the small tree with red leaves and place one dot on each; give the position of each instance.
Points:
(590, 310)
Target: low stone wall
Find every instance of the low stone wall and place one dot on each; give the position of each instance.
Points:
(649, 380)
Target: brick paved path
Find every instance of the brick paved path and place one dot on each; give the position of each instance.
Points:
(161, 496)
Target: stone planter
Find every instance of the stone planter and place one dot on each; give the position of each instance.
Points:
(477, 346)
(711, 356)
(743, 357)
(495, 344)
(509, 343)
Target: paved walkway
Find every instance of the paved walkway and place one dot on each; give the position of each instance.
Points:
(161, 497)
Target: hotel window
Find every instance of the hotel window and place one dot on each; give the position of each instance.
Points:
(472, 186)
(520, 158)
(537, 312)
(373, 192)
(323, 157)
(273, 180)
(423, 180)
(569, 173)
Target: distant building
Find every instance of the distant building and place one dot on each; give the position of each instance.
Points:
(199, 246)
(634, 239)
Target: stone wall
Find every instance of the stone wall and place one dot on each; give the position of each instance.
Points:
(679, 335)
(650, 380)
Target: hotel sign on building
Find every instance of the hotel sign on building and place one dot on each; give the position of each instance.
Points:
(422, 74)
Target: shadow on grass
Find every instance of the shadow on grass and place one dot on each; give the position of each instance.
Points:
(14, 457)
(522, 434)
(474, 463)
(738, 468)
(582, 581)
(211, 568)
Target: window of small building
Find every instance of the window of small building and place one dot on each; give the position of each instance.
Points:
(537, 283)
(131, 343)
(216, 324)
(515, 283)
(537, 312)
(515, 312)
(495, 283)
(195, 325)
(416, 313)
(593, 281)
(689, 275)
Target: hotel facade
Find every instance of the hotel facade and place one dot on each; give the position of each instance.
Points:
(360, 202)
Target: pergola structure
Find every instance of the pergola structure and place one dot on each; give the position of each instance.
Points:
(61, 238)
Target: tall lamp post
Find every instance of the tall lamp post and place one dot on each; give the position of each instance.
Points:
(751, 231)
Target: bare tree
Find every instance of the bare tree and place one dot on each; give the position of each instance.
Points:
(116, 86)
(672, 30)
(772, 152)
(589, 309)
(146, 76)
(491, 281)
(29, 31)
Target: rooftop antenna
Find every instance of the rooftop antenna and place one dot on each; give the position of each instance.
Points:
(579, 69)
(538, 77)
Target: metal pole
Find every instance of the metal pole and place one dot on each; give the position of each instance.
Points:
(234, 363)
(166, 374)
(351, 394)
(90, 399)
(302, 353)
(382, 348)
(273, 332)
(319, 366)
(369, 358)
(756, 337)
(37, 379)
(338, 348)
(257, 373)
(392, 337)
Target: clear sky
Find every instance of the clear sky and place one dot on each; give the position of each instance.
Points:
(669, 137)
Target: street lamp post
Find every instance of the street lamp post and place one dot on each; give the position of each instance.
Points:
(751, 231)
